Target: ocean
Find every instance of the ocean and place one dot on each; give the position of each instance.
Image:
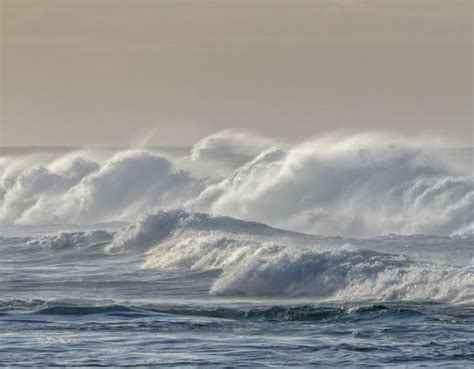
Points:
(238, 252)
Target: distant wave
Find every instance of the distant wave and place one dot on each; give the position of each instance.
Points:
(66, 240)
(354, 187)
(361, 186)
(80, 191)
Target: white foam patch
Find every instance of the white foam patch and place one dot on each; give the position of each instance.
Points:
(66, 240)
(346, 275)
(257, 260)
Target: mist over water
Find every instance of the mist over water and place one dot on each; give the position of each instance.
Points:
(357, 236)
(358, 186)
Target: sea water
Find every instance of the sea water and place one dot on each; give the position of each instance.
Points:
(333, 253)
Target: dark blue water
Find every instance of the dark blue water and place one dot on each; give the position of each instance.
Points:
(85, 333)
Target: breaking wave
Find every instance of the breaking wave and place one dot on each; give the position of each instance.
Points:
(67, 240)
(258, 260)
(122, 188)
(347, 187)
(359, 186)
(346, 275)
(250, 259)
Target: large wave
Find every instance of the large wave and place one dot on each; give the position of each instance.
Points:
(258, 260)
(364, 185)
(348, 187)
(79, 190)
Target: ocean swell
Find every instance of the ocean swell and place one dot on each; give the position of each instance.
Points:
(280, 312)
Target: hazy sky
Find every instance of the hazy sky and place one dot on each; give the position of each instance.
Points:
(89, 72)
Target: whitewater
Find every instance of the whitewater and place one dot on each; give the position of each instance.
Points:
(241, 250)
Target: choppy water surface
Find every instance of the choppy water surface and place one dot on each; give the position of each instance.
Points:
(80, 333)
(77, 304)
(211, 256)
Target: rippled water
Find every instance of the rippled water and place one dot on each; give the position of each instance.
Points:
(41, 333)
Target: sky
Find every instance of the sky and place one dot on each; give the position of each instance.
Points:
(118, 72)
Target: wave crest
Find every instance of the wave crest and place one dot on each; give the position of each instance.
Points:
(345, 188)
(257, 260)
(357, 186)
(346, 275)
(66, 240)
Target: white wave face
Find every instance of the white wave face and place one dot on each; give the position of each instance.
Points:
(29, 189)
(257, 260)
(350, 187)
(82, 191)
(346, 275)
(358, 186)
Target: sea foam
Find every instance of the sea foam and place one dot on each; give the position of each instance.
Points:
(356, 186)
(257, 260)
